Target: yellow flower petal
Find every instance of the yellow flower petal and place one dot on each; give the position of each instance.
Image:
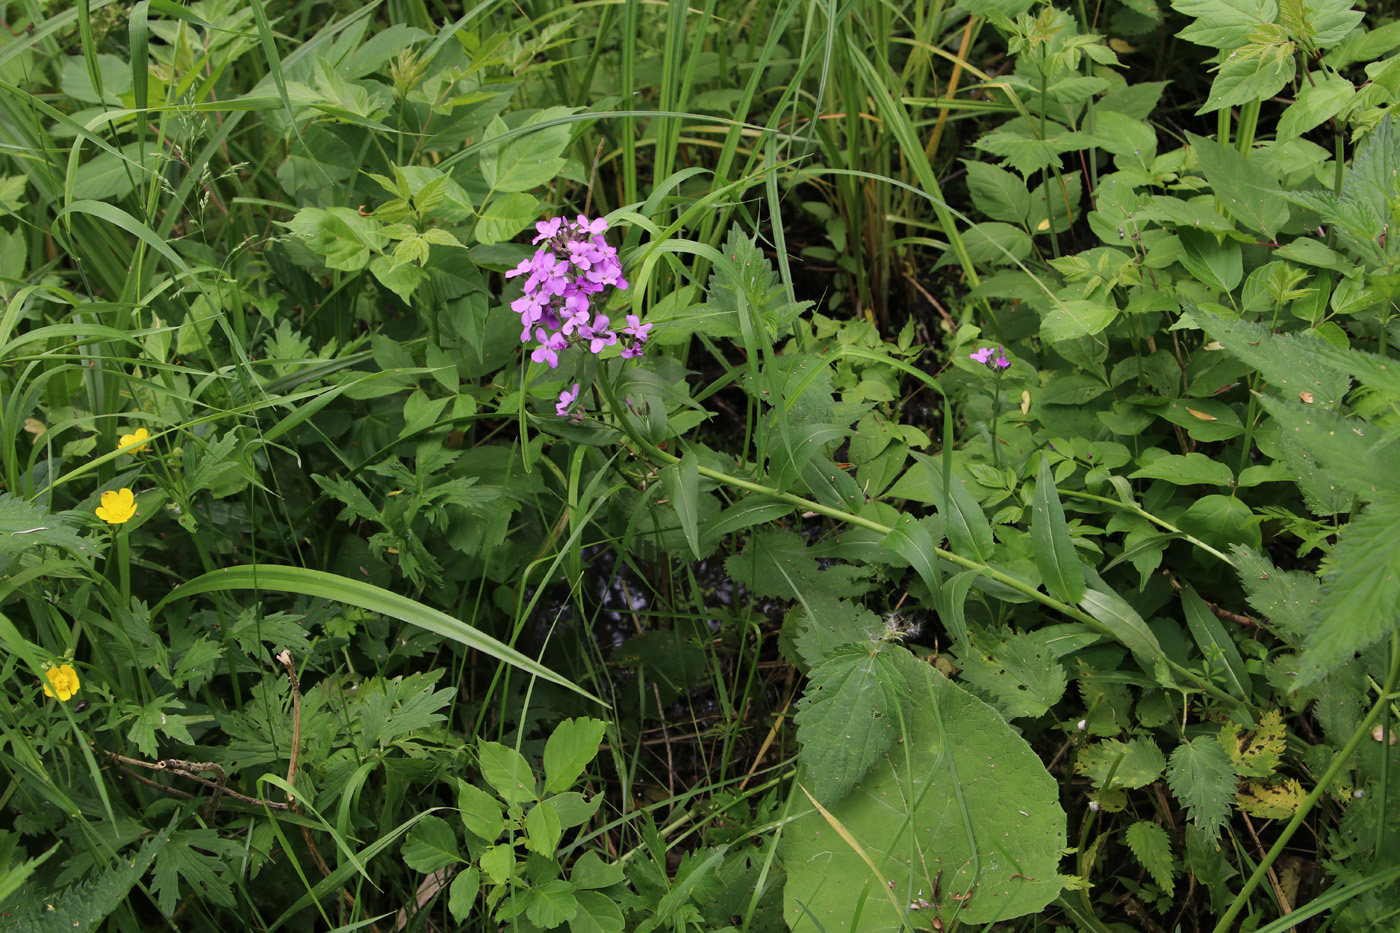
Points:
(64, 681)
(117, 506)
(135, 441)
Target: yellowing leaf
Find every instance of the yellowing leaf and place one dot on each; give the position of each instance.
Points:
(1202, 415)
(1277, 802)
(1261, 752)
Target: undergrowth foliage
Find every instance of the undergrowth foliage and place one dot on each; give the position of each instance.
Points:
(943, 474)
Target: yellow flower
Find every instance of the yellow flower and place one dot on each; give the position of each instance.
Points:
(64, 681)
(132, 440)
(117, 506)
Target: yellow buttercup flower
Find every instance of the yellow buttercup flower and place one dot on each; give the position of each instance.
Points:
(137, 441)
(63, 682)
(117, 506)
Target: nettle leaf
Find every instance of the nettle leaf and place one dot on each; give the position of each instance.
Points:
(1360, 602)
(1224, 24)
(1020, 675)
(847, 718)
(1203, 779)
(747, 271)
(963, 799)
(824, 623)
(778, 564)
(1290, 362)
(1152, 847)
(1136, 763)
(1354, 453)
(1287, 598)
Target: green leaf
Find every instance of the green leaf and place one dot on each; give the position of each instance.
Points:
(543, 829)
(1070, 320)
(1186, 470)
(270, 577)
(597, 913)
(1251, 73)
(1221, 521)
(997, 193)
(1136, 763)
(1360, 601)
(1248, 192)
(481, 813)
(779, 564)
(847, 718)
(1296, 365)
(340, 235)
(1215, 644)
(963, 796)
(682, 484)
(461, 896)
(1204, 419)
(917, 542)
(1202, 778)
(507, 771)
(1355, 454)
(1316, 104)
(1152, 847)
(504, 216)
(1215, 263)
(431, 845)
(1286, 598)
(1224, 24)
(1121, 622)
(571, 746)
(824, 623)
(1051, 545)
(551, 904)
(24, 525)
(1020, 675)
(529, 160)
(969, 532)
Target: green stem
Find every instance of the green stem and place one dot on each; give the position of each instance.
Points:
(650, 451)
(1139, 511)
(1338, 764)
(121, 553)
(1249, 122)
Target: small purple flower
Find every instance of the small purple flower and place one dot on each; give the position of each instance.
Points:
(566, 401)
(591, 226)
(1000, 361)
(548, 350)
(547, 229)
(992, 359)
(636, 328)
(982, 355)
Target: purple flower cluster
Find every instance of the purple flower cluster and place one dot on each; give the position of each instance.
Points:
(985, 357)
(574, 264)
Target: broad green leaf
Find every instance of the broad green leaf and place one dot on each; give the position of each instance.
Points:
(550, 903)
(1318, 101)
(917, 542)
(1215, 644)
(571, 746)
(341, 236)
(963, 796)
(1222, 521)
(461, 896)
(997, 244)
(997, 193)
(316, 583)
(969, 532)
(682, 483)
(431, 845)
(1224, 24)
(1133, 143)
(1216, 263)
(1186, 470)
(779, 564)
(1287, 599)
(24, 525)
(1354, 453)
(1019, 675)
(1051, 545)
(1152, 847)
(481, 813)
(1250, 73)
(1204, 419)
(528, 160)
(847, 718)
(507, 771)
(1022, 146)
(543, 829)
(1296, 365)
(1202, 778)
(597, 913)
(823, 623)
(1131, 764)
(1248, 192)
(1360, 602)
(1070, 320)
(504, 216)
(1320, 23)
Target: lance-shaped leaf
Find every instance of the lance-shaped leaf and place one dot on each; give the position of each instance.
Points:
(1051, 546)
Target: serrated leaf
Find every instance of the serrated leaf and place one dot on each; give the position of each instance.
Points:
(431, 845)
(1224, 24)
(1360, 600)
(340, 235)
(507, 771)
(1287, 598)
(1261, 753)
(571, 746)
(1271, 801)
(778, 564)
(1051, 545)
(1292, 363)
(962, 785)
(847, 718)
(1202, 778)
(1136, 763)
(551, 903)
(1152, 847)
(997, 193)
(824, 623)
(1019, 675)
(1355, 454)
